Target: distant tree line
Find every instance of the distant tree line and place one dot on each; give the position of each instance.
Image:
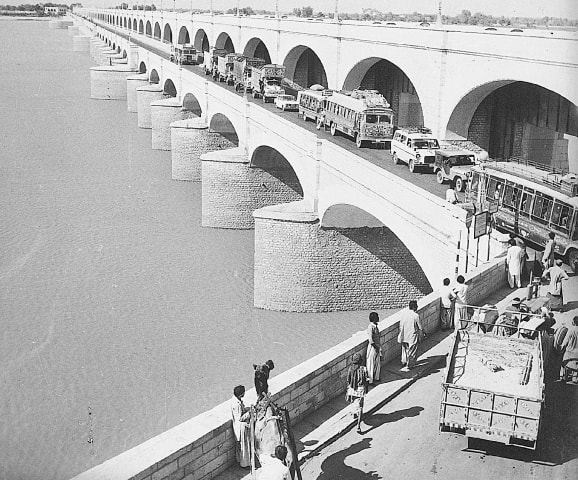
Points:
(37, 8)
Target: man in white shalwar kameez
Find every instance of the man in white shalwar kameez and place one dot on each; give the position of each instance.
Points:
(410, 331)
(241, 417)
(514, 264)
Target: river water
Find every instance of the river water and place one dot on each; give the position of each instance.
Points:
(113, 299)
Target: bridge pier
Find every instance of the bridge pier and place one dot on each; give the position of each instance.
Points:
(303, 267)
(108, 58)
(132, 54)
(109, 82)
(81, 43)
(95, 44)
(190, 139)
(163, 113)
(144, 97)
(100, 52)
(132, 83)
(232, 189)
(73, 30)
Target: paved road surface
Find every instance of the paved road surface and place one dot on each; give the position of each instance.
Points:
(402, 441)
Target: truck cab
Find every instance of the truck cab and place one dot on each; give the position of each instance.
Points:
(414, 146)
(183, 54)
(455, 166)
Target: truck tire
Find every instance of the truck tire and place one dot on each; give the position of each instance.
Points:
(360, 143)
(394, 158)
(460, 184)
(333, 129)
(440, 177)
(411, 166)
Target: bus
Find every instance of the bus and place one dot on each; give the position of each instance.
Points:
(311, 104)
(364, 115)
(531, 203)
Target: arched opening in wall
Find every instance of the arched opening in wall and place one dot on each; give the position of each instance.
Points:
(382, 75)
(157, 33)
(304, 68)
(142, 67)
(257, 49)
(191, 104)
(373, 262)
(140, 27)
(224, 41)
(135, 25)
(124, 54)
(167, 34)
(184, 36)
(169, 88)
(114, 46)
(124, 22)
(519, 120)
(222, 125)
(154, 76)
(149, 30)
(281, 176)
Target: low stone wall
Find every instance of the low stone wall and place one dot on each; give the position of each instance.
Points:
(203, 447)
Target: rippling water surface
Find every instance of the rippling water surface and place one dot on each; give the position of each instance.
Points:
(112, 296)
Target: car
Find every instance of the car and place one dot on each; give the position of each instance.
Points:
(286, 102)
(414, 146)
(455, 165)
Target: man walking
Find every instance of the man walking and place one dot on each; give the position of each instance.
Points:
(410, 330)
(373, 361)
(514, 264)
(548, 255)
(555, 292)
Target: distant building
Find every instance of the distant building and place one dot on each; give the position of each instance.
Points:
(55, 11)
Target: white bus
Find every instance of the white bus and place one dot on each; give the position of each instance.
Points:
(310, 104)
(364, 115)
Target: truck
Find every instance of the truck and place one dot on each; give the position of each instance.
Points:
(242, 66)
(266, 81)
(210, 60)
(225, 68)
(493, 386)
(183, 54)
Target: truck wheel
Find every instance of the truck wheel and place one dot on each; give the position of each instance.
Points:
(573, 260)
(333, 129)
(440, 177)
(359, 142)
(411, 165)
(460, 184)
(394, 158)
(319, 124)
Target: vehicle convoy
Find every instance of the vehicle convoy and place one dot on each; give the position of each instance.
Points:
(414, 146)
(454, 165)
(210, 60)
(242, 66)
(266, 81)
(225, 68)
(364, 115)
(532, 202)
(493, 386)
(183, 54)
(286, 102)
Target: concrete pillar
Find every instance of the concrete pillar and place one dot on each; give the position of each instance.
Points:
(109, 82)
(99, 52)
(132, 83)
(95, 44)
(163, 113)
(189, 140)
(133, 57)
(108, 57)
(144, 97)
(121, 61)
(232, 190)
(303, 267)
(73, 30)
(81, 43)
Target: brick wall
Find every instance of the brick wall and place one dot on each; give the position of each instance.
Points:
(232, 190)
(108, 83)
(132, 83)
(479, 129)
(163, 113)
(302, 267)
(144, 97)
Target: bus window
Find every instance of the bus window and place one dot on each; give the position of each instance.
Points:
(371, 119)
(474, 184)
(575, 226)
(511, 196)
(560, 216)
(526, 203)
(542, 208)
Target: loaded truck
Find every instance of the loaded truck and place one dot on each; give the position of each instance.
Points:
(242, 67)
(266, 81)
(493, 387)
(225, 68)
(210, 60)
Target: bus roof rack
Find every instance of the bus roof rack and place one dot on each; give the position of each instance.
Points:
(417, 129)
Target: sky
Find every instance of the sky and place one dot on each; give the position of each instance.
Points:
(522, 8)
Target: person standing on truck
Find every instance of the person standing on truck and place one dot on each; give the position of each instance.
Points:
(410, 332)
(447, 297)
(241, 416)
(262, 377)
(569, 368)
(461, 305)
(373, 349)
(548, 255)
(451, 195)
(555, 291)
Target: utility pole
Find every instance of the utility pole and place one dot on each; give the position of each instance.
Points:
(276, 8)
(336, 16)
(439, 19)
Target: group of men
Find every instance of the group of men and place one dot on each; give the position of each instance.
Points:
(454, 303)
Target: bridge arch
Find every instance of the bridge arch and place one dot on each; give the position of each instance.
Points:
(135, 25)
(157, 31)
(224, 41)
(376, 73)
(304, 67)
(124, 54)
(273, 162)
(516, 119)
(124, 22)
(142, 67)
(257, 49)
(141, 27)
(169, 88)
(168, 34)
(149, 29)
(154, 76)
(184, 36)
(201, 41)
(191, 104)
(220, 123)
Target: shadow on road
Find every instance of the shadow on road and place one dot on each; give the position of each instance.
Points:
(334, 467)
(379, 419)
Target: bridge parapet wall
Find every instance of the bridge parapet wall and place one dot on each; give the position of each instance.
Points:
(203, 447)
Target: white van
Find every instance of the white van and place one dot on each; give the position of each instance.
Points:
(414, 146)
